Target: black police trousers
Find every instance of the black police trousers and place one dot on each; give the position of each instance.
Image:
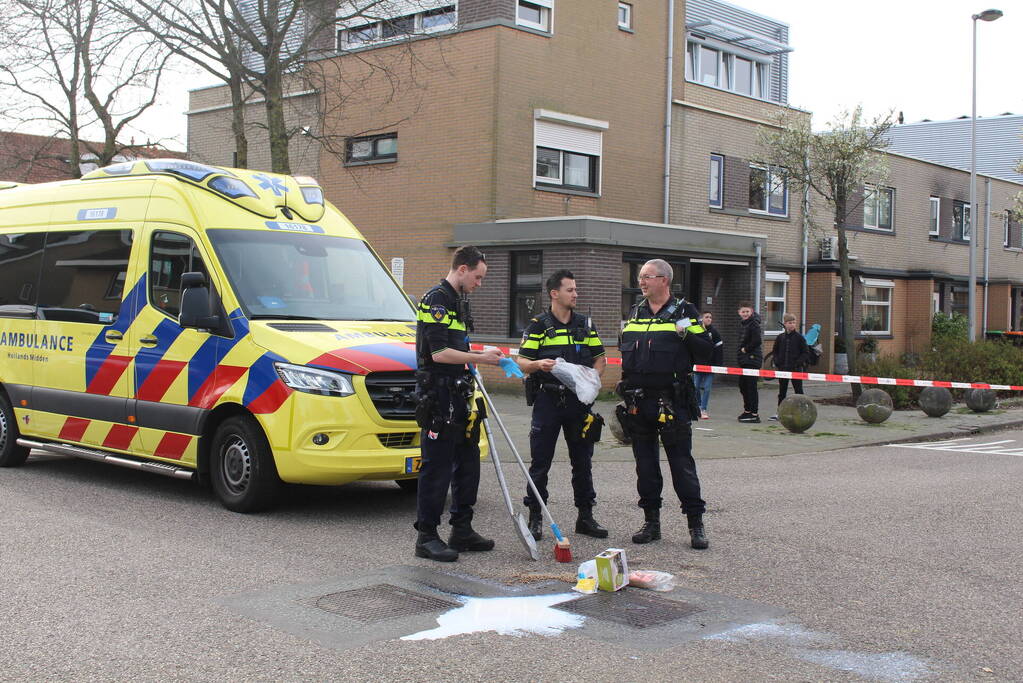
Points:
(448, 461)
(646, 451)
(551, 416)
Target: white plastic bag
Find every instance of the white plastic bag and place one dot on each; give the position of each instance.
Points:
(584, 381)
(652, 580)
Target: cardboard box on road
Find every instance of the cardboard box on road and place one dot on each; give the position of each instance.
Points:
(612, 570)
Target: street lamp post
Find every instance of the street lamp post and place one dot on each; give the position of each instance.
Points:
(986, 15)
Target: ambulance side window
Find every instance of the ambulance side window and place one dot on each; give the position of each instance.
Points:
(21, 255)
(171, 255)
(84, 275)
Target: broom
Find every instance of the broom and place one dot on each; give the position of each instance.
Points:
(562, 546)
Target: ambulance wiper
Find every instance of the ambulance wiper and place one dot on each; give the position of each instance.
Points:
(282, 317)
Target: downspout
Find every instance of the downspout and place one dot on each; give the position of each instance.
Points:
(987, 249)
(667, 109)
(756, 286)
(806, 239)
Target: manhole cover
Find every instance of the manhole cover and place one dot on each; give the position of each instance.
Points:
(631, 608)
(379, 602)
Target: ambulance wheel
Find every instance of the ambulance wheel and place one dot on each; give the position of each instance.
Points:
(242, 466)
(408, 485)
(11, 454)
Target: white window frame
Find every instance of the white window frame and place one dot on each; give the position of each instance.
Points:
(627, 23)
(378, 28)
(771, 171)
(935, 229)
(585, 146)
(871, 194)
(967, 214)
(888, 285)
(1006, 232)
(546, 15)
(784, 279)
(720, 163)
(760, 73)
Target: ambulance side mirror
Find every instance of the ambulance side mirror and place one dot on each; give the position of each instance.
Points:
(195, 303)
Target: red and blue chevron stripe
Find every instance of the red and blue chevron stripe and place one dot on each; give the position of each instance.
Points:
(366, 358)
(265, 392)
(102, 368)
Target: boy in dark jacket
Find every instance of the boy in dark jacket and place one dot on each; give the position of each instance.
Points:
(715, 356)
(750, 355)
(790, 353)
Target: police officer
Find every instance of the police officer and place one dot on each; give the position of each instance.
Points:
(450, 422)
(658, 343)
(560, 333)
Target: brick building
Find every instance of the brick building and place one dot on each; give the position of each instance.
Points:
(554, 134)
(26, 158)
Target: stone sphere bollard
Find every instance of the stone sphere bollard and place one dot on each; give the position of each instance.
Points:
(980, 400)
(874, 406)
(936, 401)
(797, 413)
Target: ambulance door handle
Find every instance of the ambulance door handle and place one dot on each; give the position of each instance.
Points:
(113, 336)
(148, 340)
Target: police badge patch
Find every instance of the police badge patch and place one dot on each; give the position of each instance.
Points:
(438, 312)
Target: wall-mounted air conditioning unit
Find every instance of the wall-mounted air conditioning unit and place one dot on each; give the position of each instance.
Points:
(829, 248)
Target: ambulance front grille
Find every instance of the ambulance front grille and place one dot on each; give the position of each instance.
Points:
(398, 439)
(393, 394)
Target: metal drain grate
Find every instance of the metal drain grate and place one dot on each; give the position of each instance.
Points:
(631, 608)
(380, 602)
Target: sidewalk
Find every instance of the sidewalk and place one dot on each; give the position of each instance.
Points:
(723, 436)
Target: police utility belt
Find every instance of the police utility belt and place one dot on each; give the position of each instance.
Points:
(587, 429)
(677, 407)
(440, 418)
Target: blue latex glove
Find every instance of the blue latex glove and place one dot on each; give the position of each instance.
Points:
(511, 368)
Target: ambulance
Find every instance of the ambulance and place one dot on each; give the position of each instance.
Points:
(206, 323)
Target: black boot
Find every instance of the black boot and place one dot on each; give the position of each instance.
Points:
(588, 526)
(697, 535)
(463, 538)
(429, 545)
(651, 529)
(535, 523)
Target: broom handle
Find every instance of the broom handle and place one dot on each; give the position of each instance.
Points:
(497, 467)
(525, 471)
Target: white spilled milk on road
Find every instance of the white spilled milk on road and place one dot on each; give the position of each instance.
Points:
(507, 616)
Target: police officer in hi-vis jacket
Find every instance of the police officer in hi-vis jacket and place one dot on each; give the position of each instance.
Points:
(658, 343)
(556, 333)
(450, 422)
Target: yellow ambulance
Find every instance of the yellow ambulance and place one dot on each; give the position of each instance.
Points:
(202, 322)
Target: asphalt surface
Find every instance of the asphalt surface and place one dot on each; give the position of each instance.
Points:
(883, 562)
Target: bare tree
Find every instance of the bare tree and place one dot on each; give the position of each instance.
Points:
(836, 164)
(75, 67)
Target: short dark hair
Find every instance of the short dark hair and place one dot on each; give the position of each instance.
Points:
(467, 256)
(746, 304)
(554, 281)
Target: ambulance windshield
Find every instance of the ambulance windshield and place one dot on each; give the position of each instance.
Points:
(284, 275)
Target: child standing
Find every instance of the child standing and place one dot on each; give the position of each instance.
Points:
(750, 355)
(790, 353)
(705, 380)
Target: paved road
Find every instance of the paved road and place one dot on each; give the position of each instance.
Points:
(879, 563)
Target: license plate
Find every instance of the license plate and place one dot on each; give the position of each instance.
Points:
(412, 464)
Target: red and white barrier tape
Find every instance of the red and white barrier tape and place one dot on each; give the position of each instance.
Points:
(811, 376)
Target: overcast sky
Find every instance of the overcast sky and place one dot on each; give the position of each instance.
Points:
(912, 56)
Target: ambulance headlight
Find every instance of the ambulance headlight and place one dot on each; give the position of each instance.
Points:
(314, 381)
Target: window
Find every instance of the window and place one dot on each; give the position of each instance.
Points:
(21, 256)
(397, 27)
(768, 190)
(935, 216)
(1006, 236)
(534, 14)
(717, 175)
(372, 148)
(625, 15)
(82, 269)
(526, 283)
(876, 306)
(171, 255)
(877, 207)
(567, 156)
(721, 69)
(777, 284)
(961, 221)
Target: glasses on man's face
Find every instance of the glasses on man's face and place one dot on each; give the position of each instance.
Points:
(647, 278)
